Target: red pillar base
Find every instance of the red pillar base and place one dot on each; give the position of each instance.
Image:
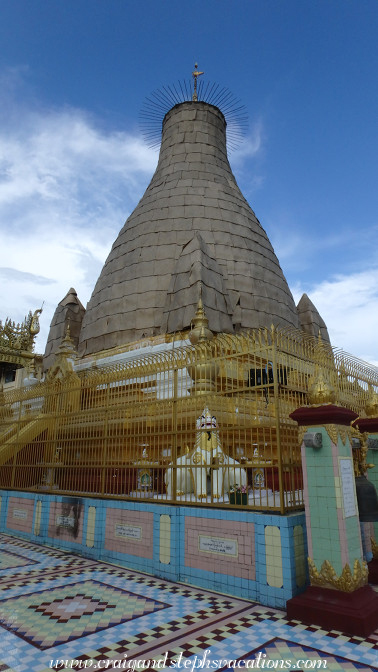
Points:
(353, 613)
(373, 571)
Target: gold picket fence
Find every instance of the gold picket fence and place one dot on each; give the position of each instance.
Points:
(133, 430)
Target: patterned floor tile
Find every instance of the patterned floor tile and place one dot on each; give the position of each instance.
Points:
(5, 668)
(54, 617)
(278, 651)
(34, 565)
(56, 606)
(9, 560)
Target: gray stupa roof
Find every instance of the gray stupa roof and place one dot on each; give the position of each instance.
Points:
(69, 312)
(310, 320)
(192, 234)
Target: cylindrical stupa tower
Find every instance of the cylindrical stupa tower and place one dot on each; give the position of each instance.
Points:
(192, 234)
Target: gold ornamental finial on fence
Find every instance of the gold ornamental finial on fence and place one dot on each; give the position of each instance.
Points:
(321, 390)
(371, 407)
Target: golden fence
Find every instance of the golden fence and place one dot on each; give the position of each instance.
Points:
(133, 430)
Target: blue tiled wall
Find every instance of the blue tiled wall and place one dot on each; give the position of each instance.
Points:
(176, 568)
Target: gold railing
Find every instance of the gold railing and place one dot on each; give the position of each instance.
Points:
(130, 430)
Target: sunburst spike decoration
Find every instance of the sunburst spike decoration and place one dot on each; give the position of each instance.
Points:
(160, 101)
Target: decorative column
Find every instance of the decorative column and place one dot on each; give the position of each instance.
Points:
(339, 597)
(368, 427)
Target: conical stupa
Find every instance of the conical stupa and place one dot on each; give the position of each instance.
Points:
(193, 233)
(310, 321)
(69, 313)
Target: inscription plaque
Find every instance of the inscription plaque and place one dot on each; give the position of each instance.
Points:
(348, 487)
(128, 531)
(21, 514)
(65, 521)
(218, 545)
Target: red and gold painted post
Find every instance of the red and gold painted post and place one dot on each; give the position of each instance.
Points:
(339, 597)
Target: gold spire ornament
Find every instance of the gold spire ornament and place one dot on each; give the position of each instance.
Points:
(203, 371)
(62, 368)
(200, 330)
(67, 346)
(196, 74)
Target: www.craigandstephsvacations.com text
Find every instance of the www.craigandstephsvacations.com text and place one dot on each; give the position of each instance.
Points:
(206, 662)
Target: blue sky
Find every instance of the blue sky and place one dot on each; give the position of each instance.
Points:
(73, 164)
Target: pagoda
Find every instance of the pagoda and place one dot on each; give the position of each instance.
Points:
(166, 433)
(192, 234)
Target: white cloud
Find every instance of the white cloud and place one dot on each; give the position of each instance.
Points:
(251, 144)
(349, 306)
(66, 188)
(248, 176)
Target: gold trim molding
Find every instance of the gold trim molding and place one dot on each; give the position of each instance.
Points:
(346, 582)
(334, 431)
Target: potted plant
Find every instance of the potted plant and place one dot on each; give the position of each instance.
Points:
(238, 494)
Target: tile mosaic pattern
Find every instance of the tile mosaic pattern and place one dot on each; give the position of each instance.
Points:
(62, 607)
(57, 615)
(278, 650)
(10, 560)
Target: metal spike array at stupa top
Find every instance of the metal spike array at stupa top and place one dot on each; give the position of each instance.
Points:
(160, 101)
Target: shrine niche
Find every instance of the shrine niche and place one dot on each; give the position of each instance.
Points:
(206, 470)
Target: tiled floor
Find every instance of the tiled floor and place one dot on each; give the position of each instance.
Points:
(57, 608)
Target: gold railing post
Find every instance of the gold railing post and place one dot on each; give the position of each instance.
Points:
(51, 436)
(17, 440)
(277, 419)
(174, 431)
(105, 446)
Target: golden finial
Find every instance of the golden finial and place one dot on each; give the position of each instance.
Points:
(34, 326)
(67, 346)
(204, 370)
(200, 330)
(196, 74)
